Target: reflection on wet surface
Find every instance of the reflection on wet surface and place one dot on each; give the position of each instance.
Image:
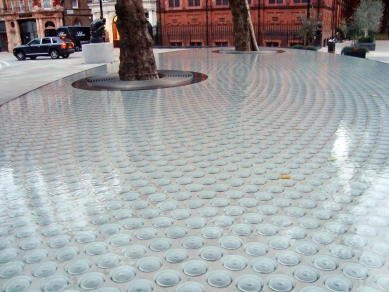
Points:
(271, 175)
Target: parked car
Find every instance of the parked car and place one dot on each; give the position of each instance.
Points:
(47, 46)
(79, 35)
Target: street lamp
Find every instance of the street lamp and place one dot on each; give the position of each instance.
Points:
(206, 23)
(308, 8)
(318, 26)
(101, 9)
(64, 11)
(101, 17)
(159, 24)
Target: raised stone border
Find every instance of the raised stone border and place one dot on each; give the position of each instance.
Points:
(98, 53)
(260, 52)
(167, 78)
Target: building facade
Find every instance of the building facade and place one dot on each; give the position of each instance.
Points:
(76, 12)
(109, 14)
(276, 22)
(24, 20)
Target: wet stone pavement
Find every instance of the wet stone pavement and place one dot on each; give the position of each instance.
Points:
(271, 175)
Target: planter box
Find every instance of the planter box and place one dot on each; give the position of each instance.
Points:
(356, 54)
(369, 46)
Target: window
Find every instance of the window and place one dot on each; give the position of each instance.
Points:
(35, 42)
(271, 44)
(275, 18)
(280, 1)
(249, 2)
(77, 23)
(176, 44)
(46, 4)
(75, 3)
(21, 5)
(272, 1)
(56, 41)
(221, 2)
(46, 41)
(194, 3)
(13, 5)
(174, 3)
(221, 44)
(30, 5)
(195, 44)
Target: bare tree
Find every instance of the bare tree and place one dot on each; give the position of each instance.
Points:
(244, 35)
(308, 26)
(136, 53)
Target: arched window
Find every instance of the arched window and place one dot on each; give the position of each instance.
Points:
(49, 24)
(77, 23)
(50, 29)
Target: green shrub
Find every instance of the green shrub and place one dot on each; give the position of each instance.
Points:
(368, 39)
(351, 49)
(300, 47)
(311, 48)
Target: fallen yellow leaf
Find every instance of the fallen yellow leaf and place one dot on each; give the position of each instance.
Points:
(284, 176)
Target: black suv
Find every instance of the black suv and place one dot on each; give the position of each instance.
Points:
(47, 46)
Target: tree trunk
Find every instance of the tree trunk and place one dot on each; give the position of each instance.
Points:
(244, 35)
(136, 53)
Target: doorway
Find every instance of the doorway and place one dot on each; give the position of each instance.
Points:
(115, 36)
(3, 37)
(27, 30)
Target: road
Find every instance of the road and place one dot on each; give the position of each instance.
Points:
(19, 77)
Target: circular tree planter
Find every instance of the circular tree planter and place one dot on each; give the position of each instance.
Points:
(167, 78)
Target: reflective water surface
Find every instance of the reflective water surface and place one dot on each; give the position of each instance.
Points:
(271, 175)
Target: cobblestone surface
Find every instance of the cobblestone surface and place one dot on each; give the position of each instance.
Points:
(271, 175)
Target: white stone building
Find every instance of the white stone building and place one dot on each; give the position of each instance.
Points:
(110, 16)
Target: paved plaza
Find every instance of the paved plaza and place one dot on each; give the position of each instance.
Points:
(271, 175)
(381, 54)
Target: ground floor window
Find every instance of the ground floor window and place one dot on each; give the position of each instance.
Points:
(196, 44)
(272, 44)
(176, 44)
(221, 44)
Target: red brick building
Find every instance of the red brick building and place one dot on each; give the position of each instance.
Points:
(276, 22)
(76, 12)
